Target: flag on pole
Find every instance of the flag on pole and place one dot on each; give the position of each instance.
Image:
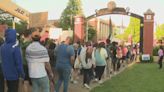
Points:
(110, 28)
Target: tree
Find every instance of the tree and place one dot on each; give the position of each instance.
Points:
(73, 8)
(132, 29)
(91, 33)
(7, 19)
(20, 26)
(160, 32)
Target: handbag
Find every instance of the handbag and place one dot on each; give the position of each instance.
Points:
(77, 63)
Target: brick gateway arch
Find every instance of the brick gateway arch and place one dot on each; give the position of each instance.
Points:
(146, 25)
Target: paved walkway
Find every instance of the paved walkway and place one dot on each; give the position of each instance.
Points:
(79, 86)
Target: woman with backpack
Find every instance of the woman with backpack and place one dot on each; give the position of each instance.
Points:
(87, 63)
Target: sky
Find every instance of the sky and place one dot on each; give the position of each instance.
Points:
(55, 8)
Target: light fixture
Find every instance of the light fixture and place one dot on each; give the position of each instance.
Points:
(127, 9)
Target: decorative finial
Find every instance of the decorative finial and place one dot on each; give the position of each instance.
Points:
(111, 5)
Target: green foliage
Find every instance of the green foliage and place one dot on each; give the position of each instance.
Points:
(155, 51)
(133, 29)
(160, 32)
(7, 19)
(73, 8)
(91, 33)
(19, 26)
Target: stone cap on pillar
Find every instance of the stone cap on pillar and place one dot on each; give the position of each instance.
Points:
(149, 11)
(149, 16)
(79, 18)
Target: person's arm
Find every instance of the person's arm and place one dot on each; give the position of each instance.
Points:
(105, 54)
(47, 64)
(18, 62)
(49, 70)
(72, 55)
(72, 59)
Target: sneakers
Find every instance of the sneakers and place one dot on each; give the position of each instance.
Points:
(87, 86)
(100, 82)
(74, 81)
(96, 80)
(115, 73)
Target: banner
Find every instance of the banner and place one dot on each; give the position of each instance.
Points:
(38, 19)
(9, 7)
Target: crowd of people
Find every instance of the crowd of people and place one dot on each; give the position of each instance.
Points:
(48, 64)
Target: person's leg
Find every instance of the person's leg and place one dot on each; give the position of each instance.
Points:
(160, 62)
(66, 77)
(12, 85)
(118, 64)
(97, 72)
(91, 74)
(87, 76)
(101, 71)
(108, 68)
(1, 82)
(60, 79)
(84, 76)
(114, 61)
(35, 85)
(44, 84)
(114, 66)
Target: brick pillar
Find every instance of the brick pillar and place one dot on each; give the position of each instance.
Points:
(148, 34)
(79, 28)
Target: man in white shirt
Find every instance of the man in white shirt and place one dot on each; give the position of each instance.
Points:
(38, 65)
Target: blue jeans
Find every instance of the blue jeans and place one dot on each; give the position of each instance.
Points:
(40, 84)
(64, 76)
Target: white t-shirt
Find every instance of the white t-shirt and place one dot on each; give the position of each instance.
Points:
(37, 70)
(37, 56)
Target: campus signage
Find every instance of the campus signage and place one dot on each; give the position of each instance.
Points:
(145, 57)
(15, 10)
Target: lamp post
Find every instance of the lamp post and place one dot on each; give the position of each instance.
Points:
(13, 22)
(86, 34)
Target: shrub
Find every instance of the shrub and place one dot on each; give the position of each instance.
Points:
(155, 51)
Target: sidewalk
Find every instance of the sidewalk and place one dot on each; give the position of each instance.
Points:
(79, 86)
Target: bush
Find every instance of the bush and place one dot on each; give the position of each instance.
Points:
(155, 51)
(146, 61)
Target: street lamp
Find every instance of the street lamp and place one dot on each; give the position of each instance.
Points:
(13, 22)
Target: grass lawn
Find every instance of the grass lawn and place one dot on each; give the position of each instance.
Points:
(138, 78)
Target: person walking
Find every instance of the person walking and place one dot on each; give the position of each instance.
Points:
(38, 65)
(64, 63)
(160, 54)
(87, 64)
(119, 57)
(101, 57)
(11, 61)
(24, 44)
(113, 50)
(3, 27)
